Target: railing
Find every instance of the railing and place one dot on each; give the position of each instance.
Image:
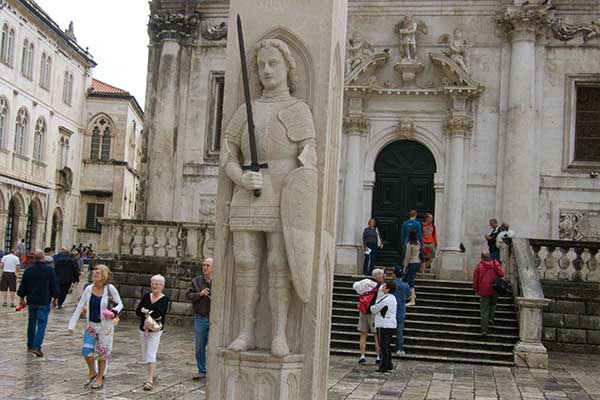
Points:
(567, 260)
(156, 238)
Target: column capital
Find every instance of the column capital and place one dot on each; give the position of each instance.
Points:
(356, 125)
(526, 22)
(172, 26)
(459, 126)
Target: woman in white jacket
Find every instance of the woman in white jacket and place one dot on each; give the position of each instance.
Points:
(385, 322)
(101, 304)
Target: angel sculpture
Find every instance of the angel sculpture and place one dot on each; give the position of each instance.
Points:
(458, 49)
(358, 51)
(407, 29)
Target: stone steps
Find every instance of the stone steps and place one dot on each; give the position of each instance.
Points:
(443, 326)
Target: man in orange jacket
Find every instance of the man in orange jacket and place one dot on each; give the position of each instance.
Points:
(484, 276)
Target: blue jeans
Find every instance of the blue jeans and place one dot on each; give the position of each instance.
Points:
(36, 328)
(399, 334)
(201, 325)
(369, 264)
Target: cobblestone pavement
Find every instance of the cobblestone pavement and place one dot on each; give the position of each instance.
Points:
(60, 374)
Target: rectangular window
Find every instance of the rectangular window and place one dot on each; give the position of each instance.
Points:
(587, 123)
(215, 126)
(94, 211)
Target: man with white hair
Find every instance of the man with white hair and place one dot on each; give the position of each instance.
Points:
(199, 295)
(366, 287)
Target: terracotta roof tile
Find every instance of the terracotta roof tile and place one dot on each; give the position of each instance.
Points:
(102, 87)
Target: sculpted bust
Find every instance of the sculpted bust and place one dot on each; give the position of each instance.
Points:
(285, 138)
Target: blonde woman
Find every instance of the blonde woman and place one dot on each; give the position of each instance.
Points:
(154, 304)
(101, 304)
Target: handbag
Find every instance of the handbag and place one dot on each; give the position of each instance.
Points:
(150, 324)
(500, 285)
(111, 304)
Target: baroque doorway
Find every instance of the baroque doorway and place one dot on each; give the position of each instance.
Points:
(403, 181)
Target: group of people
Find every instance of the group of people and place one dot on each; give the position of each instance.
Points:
(46, 282)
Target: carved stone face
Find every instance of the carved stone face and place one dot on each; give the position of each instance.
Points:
(272, 69)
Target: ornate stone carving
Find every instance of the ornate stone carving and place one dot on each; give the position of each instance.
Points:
(175, 26)
(579, 225)
(526, 21)
(405, 128)
(210, 31)
(356, 125)
(564, 31)
(358, 51)
(458, 49)
(407, 29)
(459, 126)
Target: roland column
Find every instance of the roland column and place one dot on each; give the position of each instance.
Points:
(458, 128)
(167, 34)
(521, 178)
(356, 127)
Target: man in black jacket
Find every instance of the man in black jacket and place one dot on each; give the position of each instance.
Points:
(199, 295)
(67, 273)
(38, 287)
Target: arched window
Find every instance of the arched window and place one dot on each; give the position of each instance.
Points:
(4, 44)
(101, 137)
(21, 131)
(63, 152)
(68, 88)
(38, 140)
(45, 71)
(27, 59)
(11, 47)
(3, 120)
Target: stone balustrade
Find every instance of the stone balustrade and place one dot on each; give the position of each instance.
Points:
(567, 260)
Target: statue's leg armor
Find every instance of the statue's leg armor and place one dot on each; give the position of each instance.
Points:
(247, 248)
(279, 292)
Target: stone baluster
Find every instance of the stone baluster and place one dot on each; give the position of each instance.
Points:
(521, 178)
(458, 128)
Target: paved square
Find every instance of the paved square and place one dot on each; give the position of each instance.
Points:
(61, 373)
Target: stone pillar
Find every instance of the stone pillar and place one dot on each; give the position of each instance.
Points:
(520, 170)
(314, 31)
(356, 126)
(529, 352)
(167, 33)
(458, 127)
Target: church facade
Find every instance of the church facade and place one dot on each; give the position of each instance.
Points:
(469, 111)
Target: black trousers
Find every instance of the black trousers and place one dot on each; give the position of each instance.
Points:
(64, 290)
(385, 336)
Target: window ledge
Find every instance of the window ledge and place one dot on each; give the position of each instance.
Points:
(583, 166)
(89, 230)
(3, 150)
(40, 163)
(22, 157)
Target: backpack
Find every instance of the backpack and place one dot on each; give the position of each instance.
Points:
(366, 300)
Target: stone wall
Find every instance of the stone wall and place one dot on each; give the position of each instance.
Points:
(131, 276)
(572, 319)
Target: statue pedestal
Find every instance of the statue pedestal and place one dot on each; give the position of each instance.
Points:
(408, 70)
(257, 375)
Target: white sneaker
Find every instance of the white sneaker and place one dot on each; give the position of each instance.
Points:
(401, 353)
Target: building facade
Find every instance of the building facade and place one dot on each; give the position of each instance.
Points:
(44, 75)
(470, 111)
(111, 151)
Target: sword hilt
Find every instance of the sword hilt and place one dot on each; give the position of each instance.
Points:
(255, 168)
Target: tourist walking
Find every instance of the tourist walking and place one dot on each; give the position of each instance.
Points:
(430, 242)
(484, 276)
(368, 288)
(101, 304)
(8, 281)
(200, 296)
(411, 224)
(152, 310)
(37, 290)
(67, 274)
(48, 257)
(371, 244)
(401, 293)
(412, 264)
(491, 239)
(385, 323)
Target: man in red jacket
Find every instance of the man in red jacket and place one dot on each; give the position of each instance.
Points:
(483, 277)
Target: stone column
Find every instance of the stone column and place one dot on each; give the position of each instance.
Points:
(356, 126)
(167, 33)
(520, 170)
(458, 127)
(529, 352)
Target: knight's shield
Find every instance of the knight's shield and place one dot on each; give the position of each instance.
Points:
(299, 217)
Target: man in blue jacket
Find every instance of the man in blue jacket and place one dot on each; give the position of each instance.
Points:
(401, 293)
(411, 224)
(38, 289)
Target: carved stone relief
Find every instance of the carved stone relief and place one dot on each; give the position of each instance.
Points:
(358, 51)
(356, 124)
(174, 26)
(409, 66)
(213, 31)
(405, 128)
(459, 126)
(458, 49)
(579, 225)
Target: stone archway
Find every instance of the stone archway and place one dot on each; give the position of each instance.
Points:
(13, 217)
(404, 172)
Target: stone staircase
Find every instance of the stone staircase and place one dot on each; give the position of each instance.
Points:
(443, 326)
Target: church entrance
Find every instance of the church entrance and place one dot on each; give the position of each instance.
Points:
(403, 181)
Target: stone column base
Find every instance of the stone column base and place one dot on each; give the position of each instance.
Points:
(451, 265)
(348, 259)
(257, 375)
(530, 355)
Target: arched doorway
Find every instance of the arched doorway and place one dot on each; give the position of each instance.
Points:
(403, 181)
